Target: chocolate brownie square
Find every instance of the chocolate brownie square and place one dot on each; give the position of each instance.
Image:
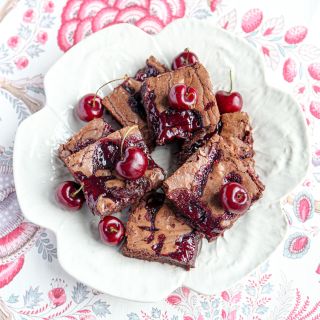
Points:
(90, 133)
(194, 188)
(236, 131)
(152, 69)
(124, 102)
(94, 167)
(154, 233)
(168, 124)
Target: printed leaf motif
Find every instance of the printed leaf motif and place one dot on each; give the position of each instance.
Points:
(156, 313)
(229, 21)
(24, 32)
(262, 309)
(6, 68)
(31, 3)
(271, 55)
(13, 299)
(236, 298)
(204, 305)
(308, 52)
(47, 21)
(46, 248)
(246, 309)
(201, 14)
(101, 308)
(34, 50)
(250, 290)
(133, 316)
(17, 106)
(267, 288)
(32, 297)
(3, 51)
(80, 293)
(272, 26)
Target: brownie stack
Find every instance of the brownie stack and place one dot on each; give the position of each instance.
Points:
(167, 224)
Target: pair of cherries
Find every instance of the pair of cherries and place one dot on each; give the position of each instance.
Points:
(70, 195)
(182, 97)
(233, 197)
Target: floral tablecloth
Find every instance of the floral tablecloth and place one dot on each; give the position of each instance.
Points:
(33, 35)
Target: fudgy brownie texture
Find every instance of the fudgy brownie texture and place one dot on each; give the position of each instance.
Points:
(194, 188)
(88, 134)
(124, 102)
(154, 233)
(237, 133)
(152, 69)
(125, 105)
(236, 130)
(168, 124)
(94, 167)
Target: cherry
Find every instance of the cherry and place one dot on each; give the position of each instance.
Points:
(234, 198)
(133, 165)
(229, 101)
(89, 107)
(182, 97)
(111, 230)
(69, 194)
(185, 58)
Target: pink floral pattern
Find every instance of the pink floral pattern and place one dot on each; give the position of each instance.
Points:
(270, 292)
(82, 18)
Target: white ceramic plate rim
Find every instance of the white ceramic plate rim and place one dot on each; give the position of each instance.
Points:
(20, 139)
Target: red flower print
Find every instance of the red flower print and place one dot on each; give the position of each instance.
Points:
(28, 16)
(42, 37)
(251, 20)
(295, 34)
(87, 317)
(225, 296)
(13, 42)
(315, 109)
(314, 71)
(48, 7)
(21, 63)
(174, 299)
(80, 18)
(289, 70)
(57, 296)
(213, 5)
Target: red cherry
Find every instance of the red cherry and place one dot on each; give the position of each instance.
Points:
(229, 101)
(133, 165)
(234, 198)
(111, 230)
(185, 58)
(89, 107)
(69, 194)
(182, 97)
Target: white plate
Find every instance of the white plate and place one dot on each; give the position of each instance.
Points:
(281, 146)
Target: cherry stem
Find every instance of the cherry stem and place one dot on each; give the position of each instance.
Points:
(112, 230)
(95, 95)
(77, 191)
(188, 52)
(124, 138)
(231, 84)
